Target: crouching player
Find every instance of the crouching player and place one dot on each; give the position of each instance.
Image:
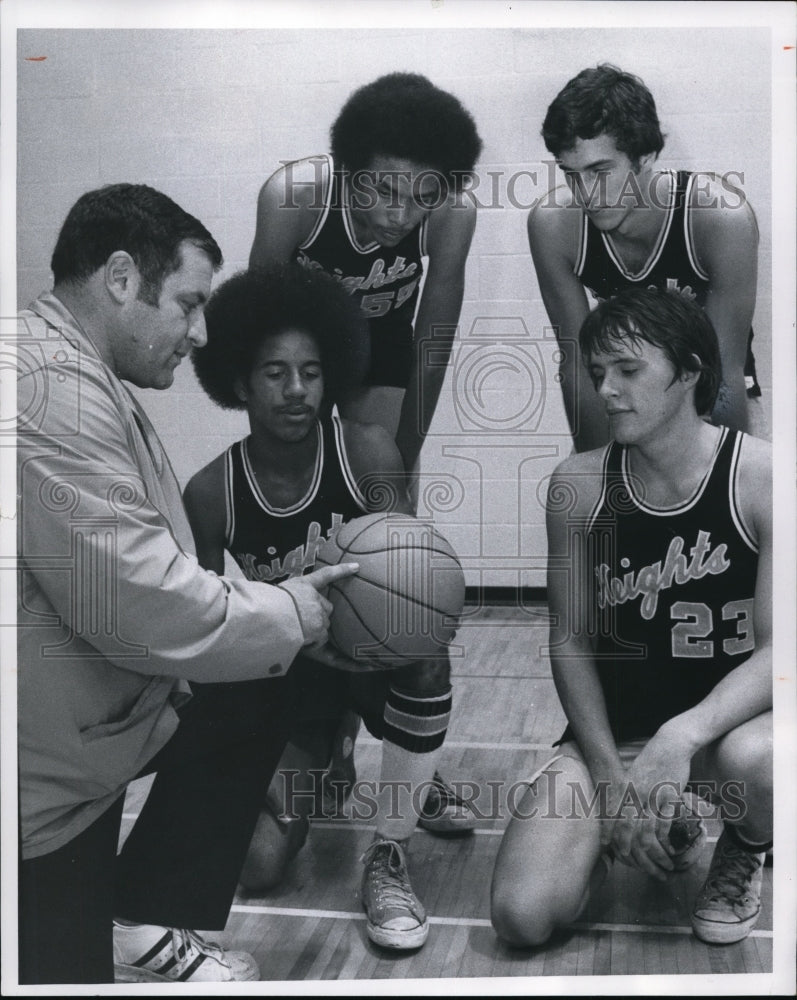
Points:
(660, 646)
(283, 346)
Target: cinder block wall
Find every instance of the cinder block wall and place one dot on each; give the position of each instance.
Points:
(206, 116)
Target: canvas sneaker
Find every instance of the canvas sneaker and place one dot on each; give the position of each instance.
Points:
(444, 812)
(396, 917)
(728, 905)
(147, 953)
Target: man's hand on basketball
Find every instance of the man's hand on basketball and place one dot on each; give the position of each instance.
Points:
(312, 607)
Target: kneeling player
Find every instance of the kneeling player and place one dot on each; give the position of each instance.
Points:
(283, 345)
(660, 646)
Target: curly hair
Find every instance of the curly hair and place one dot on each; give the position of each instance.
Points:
(600, 100)
(254, 305)
(132, 217)
(406, 116)
(668, 320)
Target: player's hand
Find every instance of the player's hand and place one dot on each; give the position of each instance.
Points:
(330, 656)
(636, 842)
(312, 607)
(656, 782)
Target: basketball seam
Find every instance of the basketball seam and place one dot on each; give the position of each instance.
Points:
(364, 527)
(386, 517)
(360, 626)
(376, 642)
(320, 557)
(388, 590)
(325, 562)
(404, 548)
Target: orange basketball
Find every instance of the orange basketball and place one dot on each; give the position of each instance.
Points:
(404, 603)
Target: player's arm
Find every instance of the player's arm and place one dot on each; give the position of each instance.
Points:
(725, 238)
(377, 467)
(746, 691)
(288, 206)
(553, 232)
(205, 504)
(448, 238)
(206, 508)
(573, 491)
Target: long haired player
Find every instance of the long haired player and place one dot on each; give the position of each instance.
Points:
(659, 583)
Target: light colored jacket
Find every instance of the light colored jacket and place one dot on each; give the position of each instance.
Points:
(115, 613)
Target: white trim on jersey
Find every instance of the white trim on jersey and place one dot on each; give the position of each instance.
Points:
(683, 505)
(303, 501)
(581, 254)
(348, 225)
(345, 466)
(422, 231)
(228, 498)
(733, 496)
(326, 160)
(661, 239)
(604, 487)
(688, 238)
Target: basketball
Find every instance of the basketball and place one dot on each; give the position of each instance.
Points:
(405, 601)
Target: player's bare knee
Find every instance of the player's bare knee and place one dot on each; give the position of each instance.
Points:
(745, 753)
(519, 921)
(273, 847)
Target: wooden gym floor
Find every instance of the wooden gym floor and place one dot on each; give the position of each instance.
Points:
(506, 716)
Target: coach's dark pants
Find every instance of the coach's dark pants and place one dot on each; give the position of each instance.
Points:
(180, 864)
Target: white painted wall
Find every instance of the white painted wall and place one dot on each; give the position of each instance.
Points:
(206, 115)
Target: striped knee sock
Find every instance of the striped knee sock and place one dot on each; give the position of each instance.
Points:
(415, 727)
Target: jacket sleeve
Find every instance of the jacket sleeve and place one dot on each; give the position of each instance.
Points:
(100, 522)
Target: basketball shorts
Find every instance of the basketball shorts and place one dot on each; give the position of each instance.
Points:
(391, 360)
(323, 695)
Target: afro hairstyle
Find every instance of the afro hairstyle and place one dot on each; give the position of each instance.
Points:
(406, 116)
(254, 305)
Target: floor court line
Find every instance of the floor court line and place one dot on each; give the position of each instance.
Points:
(353, 825)
(287, 911)
(470, 745)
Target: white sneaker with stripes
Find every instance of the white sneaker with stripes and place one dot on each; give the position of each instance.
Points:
(147, 953)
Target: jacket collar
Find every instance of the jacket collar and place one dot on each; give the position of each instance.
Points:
(53, 311)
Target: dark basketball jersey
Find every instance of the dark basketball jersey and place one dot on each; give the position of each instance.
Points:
(672, 265)
(270, 543)
(674, 591)
(385, 280)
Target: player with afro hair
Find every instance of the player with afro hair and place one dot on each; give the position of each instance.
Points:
(393, 191)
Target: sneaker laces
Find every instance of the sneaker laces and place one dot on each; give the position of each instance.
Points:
(730, 879)
(385, 861)
(185, 941)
